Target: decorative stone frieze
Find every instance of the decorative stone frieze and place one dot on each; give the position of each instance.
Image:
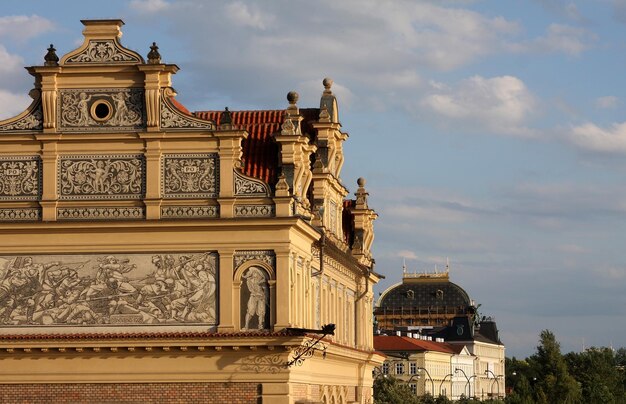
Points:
(241, 257)
(190, 176)
(101, 177)
(254, 211)
(20, 214)
(248, 186)
(99, 109)
(20, 178)
(103, 51)
(188, 212)
(105, 213)
(93, 292)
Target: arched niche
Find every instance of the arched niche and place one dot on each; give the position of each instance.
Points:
(254, 294)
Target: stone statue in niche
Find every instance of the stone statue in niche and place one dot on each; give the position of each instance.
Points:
(255, 299)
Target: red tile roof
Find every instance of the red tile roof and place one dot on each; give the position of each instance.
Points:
(260, 152)
(388, 343)
(179, 106)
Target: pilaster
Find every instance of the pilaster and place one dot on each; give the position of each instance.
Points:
(226, 308)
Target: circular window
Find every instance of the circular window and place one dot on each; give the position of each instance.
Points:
(101, 110)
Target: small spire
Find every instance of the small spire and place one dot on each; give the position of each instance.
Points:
(292, 97)
(328, 83)
(404, 265)
(154, 57)
(447, 264)
(361, 194)
(51, 58)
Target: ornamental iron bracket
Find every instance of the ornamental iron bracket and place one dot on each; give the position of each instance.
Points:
(308, 347)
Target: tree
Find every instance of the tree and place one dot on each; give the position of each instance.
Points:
(599, 374)
(389, 390)
(554, 382)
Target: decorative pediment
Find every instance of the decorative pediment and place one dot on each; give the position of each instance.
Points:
(102, 46)
(248, 186)
(175, 119)
(107, 51)
(29, 120)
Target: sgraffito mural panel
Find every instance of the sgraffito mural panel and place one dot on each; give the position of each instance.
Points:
(106, 290)
(101, 177)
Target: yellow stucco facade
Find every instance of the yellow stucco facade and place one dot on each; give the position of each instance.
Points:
(136, 249)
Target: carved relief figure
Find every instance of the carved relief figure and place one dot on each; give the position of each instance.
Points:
(107, 175)
(258, 299)
(83, 110)
(128, 110)
(112, 289)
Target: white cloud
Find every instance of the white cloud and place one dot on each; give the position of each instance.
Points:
(443, 37)
(149, 6)
(564, 8)
(12, 104)
(407, 254)
(23, 27)
(607, 102)
(558, 38)
(499, 104)
(10, 63)
(245, 16)
(594, 138)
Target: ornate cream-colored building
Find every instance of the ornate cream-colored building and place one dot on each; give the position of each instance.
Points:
(153, 254)
(428, 305)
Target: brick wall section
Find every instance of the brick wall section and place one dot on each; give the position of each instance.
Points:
(210, 393)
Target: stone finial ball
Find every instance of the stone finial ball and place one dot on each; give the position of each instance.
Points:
(292, 97)
(361, 182)
(327, 82)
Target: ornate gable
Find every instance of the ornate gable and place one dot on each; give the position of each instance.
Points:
(102, 45)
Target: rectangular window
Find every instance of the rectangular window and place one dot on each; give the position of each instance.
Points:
(399, 368)
(413, 387)
(385, 368)
(413, 368)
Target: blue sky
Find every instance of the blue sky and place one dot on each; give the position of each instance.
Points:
(489, 132)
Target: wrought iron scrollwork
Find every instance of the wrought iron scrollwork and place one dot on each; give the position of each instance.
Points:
(310, 346)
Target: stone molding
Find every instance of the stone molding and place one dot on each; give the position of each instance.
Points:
(101, 213)
(254, 211)
(189, 212)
